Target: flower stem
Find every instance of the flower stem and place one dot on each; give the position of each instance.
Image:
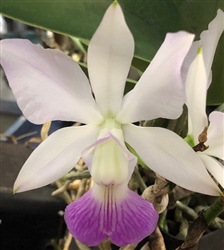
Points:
(199, 226)
(214, 210)
(139, 179)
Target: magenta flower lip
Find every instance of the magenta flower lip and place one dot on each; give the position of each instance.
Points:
(120, 215)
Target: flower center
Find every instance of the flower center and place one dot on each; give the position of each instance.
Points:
(110, 123)
(110, 162)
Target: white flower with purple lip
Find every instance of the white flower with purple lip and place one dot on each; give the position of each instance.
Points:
(198, 76)
(49, 85)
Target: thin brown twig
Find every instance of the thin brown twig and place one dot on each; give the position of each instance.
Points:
(156, 241)
(65, 194)
(68, 241)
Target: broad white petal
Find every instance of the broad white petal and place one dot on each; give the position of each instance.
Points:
(110, 54)
(55, 156)
(159, 92)
(214, 167)
(196, 91)
(216, 135)
(170, 156)
(208, 41)
(47, 84)
(191, 55)
(108, 159)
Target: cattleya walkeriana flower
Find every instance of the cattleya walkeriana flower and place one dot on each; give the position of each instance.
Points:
(49, 85)
(197, 80)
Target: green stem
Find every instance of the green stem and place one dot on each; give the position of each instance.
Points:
(187, 209)
(162, 221)
(214, 210)
(139, 179)
(199, 226)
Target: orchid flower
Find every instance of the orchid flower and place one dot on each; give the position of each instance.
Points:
(207, 138)
(49, 85)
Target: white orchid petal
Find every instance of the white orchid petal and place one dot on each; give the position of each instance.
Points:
(216, 135)
(208, 41)
(110, 54)
(191, 55)
(196, 90)
(47, 84)
(108, 159)
(170, 156)
(159, 92)
(214, 167)
(55, 156)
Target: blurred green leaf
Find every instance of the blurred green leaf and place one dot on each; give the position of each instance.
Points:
(140, 63)
(79, 44)
(220, 108)
(149, 21)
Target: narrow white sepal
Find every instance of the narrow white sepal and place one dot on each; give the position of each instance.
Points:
(110, 53)
(215, 135)
(159, 92)
(208, 41)
(196, 91)
(54, 157)
(214, 167)
(169, 155)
